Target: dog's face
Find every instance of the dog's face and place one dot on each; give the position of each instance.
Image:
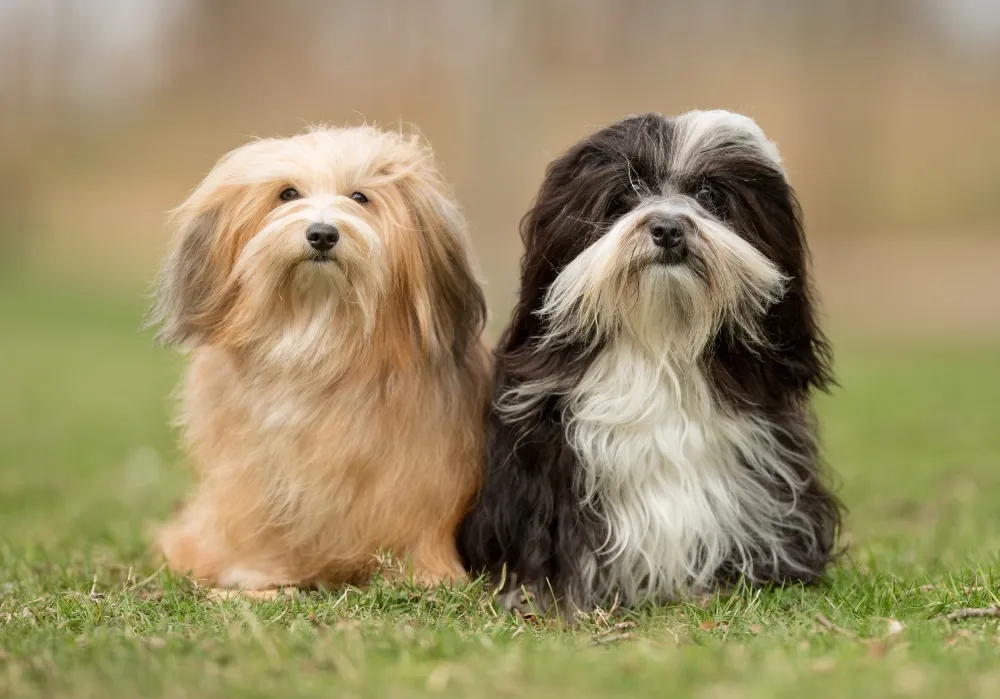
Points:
(667, 229)
(292, 244)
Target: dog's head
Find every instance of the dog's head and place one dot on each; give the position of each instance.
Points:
(302, 246)
(670, 230)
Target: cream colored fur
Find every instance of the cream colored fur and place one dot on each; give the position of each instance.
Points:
(333, 409)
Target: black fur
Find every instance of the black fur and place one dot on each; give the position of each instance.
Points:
(528, 517)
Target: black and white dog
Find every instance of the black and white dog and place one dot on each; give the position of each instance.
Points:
(651, 433)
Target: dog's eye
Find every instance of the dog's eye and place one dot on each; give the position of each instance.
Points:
(709, 196)
(619, 206)
(359, 197)
(289, 194)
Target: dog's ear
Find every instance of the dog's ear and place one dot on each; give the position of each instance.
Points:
(190, 280)
(797, 355)
(449, 307)
(553, 232)
(583, 191)
(799, 345)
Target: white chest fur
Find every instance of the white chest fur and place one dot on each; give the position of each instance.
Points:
(667, 468)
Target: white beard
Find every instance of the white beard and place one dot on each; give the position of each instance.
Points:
(681, 481)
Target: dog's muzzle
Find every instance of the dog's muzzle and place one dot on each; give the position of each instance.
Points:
(322, 236)
(668, 234)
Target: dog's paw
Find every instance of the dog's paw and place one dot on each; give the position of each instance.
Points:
(531, 599)
(223, 594)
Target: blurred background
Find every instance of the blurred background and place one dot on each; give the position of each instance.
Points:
(885, 111)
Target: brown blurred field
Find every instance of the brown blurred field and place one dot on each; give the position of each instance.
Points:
(886, 114)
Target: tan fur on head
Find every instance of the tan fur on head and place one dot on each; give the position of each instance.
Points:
(334, 403)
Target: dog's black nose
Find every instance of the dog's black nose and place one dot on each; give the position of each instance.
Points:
(322, 236)
(666, 232)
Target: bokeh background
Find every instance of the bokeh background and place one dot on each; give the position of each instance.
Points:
(885, 111)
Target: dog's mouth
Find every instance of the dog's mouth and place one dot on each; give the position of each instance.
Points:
(675, 261)
(672, 256)
(320, 258)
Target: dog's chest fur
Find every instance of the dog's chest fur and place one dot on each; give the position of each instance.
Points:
(678, 479)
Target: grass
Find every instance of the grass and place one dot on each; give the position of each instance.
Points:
(88, 464)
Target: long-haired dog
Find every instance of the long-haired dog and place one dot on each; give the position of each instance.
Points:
(650, 433)
(334, 402)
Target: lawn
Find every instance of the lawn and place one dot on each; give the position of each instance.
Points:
(88, 465)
